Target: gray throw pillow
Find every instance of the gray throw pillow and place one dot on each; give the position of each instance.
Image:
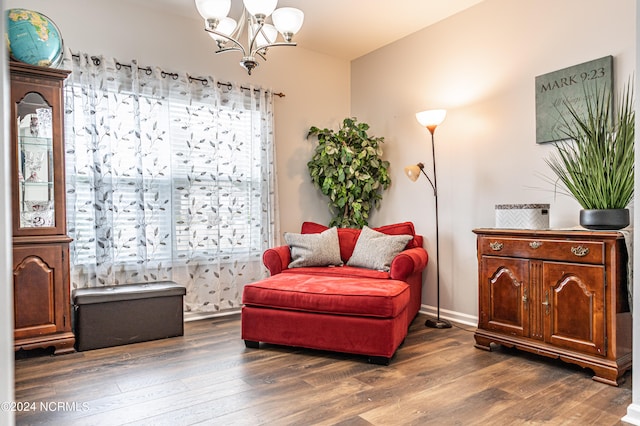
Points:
(321, 249)
(375, 250)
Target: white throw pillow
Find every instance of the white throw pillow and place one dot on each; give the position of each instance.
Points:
(321, 249)
(375, 250)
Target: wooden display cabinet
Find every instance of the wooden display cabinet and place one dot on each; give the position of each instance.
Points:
(42, 306)
(561, 294)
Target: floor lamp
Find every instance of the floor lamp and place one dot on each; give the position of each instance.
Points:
(431, 119)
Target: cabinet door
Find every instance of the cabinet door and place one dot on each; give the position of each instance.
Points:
(37, 176)
(39, 291)
(504, 289)
(573, 302)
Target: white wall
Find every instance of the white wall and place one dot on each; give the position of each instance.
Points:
(316, 86)
(481, 66)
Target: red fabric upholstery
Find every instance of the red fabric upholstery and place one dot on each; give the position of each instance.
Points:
(334, 295)
(408, 262)
(340, 333)
(337, 308)
(340, 271)
(277, 259)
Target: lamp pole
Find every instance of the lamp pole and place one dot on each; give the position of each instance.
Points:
(431, 119)
(436, 323)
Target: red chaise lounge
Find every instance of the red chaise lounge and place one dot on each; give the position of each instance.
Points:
(359, 303)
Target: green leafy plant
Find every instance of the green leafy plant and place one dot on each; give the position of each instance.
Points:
(595, 163)
(347, 167)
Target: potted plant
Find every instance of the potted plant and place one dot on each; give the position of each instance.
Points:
(595, 162)
(347, 167)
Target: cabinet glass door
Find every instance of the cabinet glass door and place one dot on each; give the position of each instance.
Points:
(35, 162)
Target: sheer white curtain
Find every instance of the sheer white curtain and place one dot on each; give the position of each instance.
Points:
(168, 178)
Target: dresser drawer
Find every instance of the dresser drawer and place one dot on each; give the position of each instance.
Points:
(543, 248)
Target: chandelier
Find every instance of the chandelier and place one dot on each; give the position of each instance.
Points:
(260, 34)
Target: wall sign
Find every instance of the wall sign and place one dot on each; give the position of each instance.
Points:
(570, 85)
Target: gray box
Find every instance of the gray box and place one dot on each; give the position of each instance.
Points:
(522, 216)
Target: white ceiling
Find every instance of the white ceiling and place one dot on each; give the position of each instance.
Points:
(347, 29)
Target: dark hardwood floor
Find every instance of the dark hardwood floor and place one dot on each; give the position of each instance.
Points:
(208, 377)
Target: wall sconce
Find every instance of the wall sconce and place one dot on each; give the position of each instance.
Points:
(431, 119)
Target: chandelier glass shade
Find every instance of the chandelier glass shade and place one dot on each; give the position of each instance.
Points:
(261, 34)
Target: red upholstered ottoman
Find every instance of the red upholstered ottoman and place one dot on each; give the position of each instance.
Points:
(356, 315)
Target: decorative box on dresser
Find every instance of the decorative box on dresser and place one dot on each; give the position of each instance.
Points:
(557, 293)
(42, 308)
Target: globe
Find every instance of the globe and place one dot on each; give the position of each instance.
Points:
(33, 38)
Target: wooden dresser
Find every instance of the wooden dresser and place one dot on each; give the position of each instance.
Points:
(557, 293)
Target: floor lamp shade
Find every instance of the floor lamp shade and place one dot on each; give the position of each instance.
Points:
(431, 118)
(413, 172)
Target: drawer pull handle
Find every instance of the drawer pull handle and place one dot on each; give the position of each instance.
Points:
(580, 251)
(496, 246)
(546, 302)
(535, 244)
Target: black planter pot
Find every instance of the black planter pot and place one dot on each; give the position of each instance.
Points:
(604, 219)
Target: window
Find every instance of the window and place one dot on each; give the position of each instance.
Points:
(167, 179)
(197, 177)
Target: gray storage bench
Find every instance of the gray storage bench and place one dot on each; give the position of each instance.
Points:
(129, 313)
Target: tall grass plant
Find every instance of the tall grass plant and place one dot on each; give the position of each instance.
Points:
(595, 160)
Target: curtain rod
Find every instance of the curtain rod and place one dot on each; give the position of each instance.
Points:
(148, 70)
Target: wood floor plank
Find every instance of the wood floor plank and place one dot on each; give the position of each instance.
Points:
(164, 407)
(208, 377)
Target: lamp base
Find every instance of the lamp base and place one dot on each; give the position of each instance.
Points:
(437, 323)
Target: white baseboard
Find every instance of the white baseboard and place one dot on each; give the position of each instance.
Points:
(195, 316)
(633, 414)
(454, 316)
